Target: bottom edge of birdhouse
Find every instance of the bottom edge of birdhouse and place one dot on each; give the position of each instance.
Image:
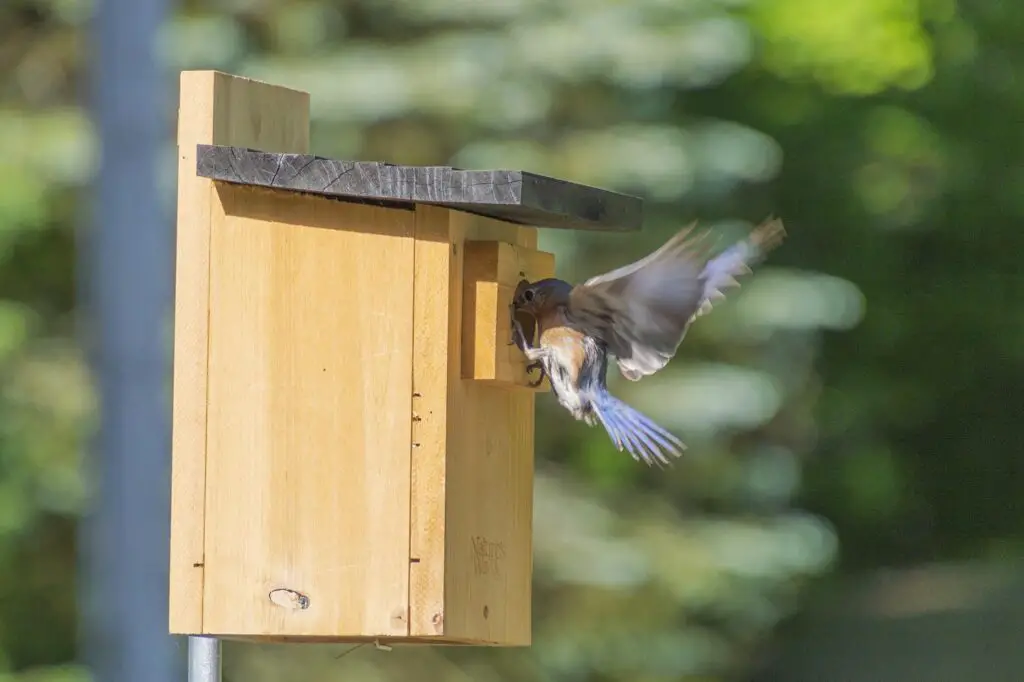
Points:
(390, 640)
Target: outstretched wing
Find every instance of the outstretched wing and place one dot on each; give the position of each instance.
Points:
(642, 310)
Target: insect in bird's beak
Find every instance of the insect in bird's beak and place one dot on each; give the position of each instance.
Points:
(525, 319)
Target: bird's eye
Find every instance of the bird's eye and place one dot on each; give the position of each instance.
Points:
(528, 295)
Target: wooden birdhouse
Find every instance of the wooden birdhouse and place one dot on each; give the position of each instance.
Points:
(353, 433)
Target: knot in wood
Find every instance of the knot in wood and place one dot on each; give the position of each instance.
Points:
(289, 599)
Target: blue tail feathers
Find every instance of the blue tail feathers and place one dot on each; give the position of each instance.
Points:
(635, 432)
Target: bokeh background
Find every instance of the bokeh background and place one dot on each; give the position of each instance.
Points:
(851, 504)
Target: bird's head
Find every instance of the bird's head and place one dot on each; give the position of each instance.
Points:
(541, 296)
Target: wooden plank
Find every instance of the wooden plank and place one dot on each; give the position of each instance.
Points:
(318, 639)
(492, 271)
(472, 491)
(310, 396)
(215, 108)
(436, 331)
(489, 474)
(511, 195)
(476, 227)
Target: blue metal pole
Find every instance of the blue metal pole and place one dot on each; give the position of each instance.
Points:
(127, 279)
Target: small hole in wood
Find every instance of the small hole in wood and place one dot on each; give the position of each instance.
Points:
(487, 612)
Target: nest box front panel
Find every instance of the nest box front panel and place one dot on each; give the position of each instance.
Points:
(309, 429)
(472, 484)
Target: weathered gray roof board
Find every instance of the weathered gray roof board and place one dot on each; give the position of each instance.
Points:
(513, 196)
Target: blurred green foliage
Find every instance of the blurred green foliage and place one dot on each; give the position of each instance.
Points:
(860, 395)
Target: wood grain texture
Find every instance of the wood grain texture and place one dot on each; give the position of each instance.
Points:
(309, 425)
(514, 196)
(214, 108)
(473, 578)
(489, 534)
(436, 320)
(491, 272)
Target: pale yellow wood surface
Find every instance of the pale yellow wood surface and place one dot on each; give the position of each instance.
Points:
(436, 332)
(310, 415)
(472, 580)
(355, 639)
(215, 108)
(309, 422)
(491, 272)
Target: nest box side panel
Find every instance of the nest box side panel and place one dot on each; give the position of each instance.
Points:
(309, 436)
(472, 483)
(215, 108)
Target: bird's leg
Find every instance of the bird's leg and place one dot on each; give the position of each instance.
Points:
(519, 338)
(532, 354)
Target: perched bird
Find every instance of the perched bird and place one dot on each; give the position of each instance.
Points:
(639, 314)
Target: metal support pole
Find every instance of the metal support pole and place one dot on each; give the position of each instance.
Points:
(126, 251)
(204, 659)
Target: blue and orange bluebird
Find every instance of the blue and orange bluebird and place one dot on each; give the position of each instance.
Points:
(639, 314)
